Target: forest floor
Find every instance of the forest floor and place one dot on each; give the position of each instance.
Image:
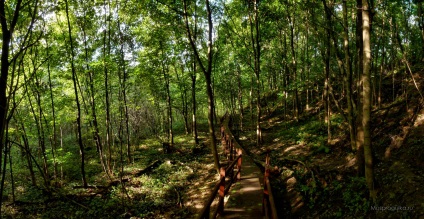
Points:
(319, 180)
(173, 185)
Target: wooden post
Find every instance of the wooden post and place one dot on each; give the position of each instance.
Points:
(239, 152)
(166, 148)
(231, 151)
(221, 192)
(223, 140)
(265, 199)
(208, 212)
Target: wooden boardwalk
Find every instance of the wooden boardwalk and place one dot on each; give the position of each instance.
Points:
(245, 197)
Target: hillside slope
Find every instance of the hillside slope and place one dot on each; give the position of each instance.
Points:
(320, 180)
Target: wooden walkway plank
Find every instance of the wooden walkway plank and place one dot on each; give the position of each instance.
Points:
(245, 197)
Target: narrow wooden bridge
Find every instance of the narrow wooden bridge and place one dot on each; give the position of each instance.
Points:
(243, 190)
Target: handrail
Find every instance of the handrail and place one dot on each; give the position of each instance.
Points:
(268, 204)
(228, 143)
(221, 188)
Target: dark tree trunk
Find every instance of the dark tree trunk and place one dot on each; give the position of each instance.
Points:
(208, 77)
(124, 93)
(95, 130)
(54, 138)
(74, 79)
(348, 79)
(106, 53)
(327, 71)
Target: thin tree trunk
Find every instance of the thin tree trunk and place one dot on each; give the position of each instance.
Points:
(6, 152)
(74, 79)
(240, 98)
(208, 75)
(258, 72)
(308, 65)
(359, 132)
(26, 151)
(106, 53)
(169, 105)
(124, 93)
(7, 33)
(37, 121)
(251, 100)
(12, 179)
(327, 71)
(348, 79)
(382, 66)
(184, 102)
(255, 38)
(193, 80)
(421, 25)
(41, 134)
(293, 67)
(54, 139)
(95, 130)
(194, 105)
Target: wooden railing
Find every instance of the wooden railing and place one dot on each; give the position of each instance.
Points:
(268, 204)
(234, 157)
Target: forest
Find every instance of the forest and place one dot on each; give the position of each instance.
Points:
(112, 109)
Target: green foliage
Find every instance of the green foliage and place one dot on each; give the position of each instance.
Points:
(348, 196)
(354, 196)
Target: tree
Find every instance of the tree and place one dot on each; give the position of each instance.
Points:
(348, 78)
(256, 48)
(207, 72)
(326, 57)
(9, 18)
(366, 96)
(74, 79)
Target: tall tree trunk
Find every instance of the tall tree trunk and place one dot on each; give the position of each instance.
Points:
(40, 128)
(348, 79)
(327, 71)
(124, 92)
(382, 65)
(307, 65)
(366, 97)
(240, 98)
(95, 129)
(193, 81)
(421, 25)
(194, 104)
(184, 102)
(293, 67)
(251, 100)
(12, 180)
(255, 38)
(106, 53)
(208, 77)
(7, 33)
(74, 79)
(168, 103)
(359, 128)
(54, 138)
